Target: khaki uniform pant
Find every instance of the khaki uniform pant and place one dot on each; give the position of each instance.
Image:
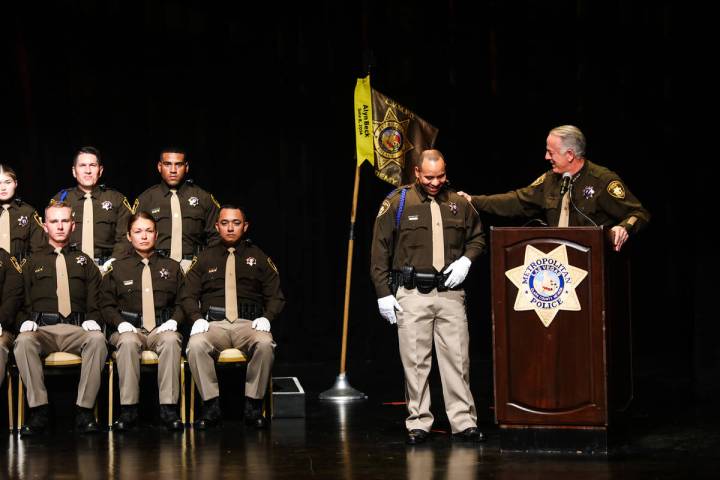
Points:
(30, 346)
(204, 348)
(437, 317)
(129, 347)
(6, 341)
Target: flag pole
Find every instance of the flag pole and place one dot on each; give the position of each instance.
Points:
(342, 391)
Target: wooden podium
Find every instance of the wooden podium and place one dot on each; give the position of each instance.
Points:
(559, 387)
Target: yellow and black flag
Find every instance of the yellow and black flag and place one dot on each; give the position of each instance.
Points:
(388, 135)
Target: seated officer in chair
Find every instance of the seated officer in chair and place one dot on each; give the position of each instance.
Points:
(138, 297)
(61, 312)
(232, 293)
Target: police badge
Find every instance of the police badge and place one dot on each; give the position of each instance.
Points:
(588, 192)
(164, 273)
(193, 201)
(22, 221)
(250, 261)
(453, 207)
(81, 260)
(107, 205)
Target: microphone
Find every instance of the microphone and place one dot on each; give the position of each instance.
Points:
(566, 177)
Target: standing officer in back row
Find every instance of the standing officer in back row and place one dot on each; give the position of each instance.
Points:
(232, 294)
(184, 213)
(61, 314)
(101, 213)
(425, 238)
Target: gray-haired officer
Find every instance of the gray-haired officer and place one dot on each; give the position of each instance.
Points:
(101, 213)
(184, 213)
(138, 298)
(62, 315)
(237, 288)
(425, 238)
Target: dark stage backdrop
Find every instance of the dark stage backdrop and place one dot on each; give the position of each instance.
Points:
(260, 95)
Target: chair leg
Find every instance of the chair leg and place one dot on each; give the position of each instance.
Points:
(192, 400)
(111, 371)
(182, 391)
(11, 416)
(21, 404)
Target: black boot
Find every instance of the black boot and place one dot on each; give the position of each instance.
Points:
(127, 419)
(210, 414)
(170, 418)
(36, 423)
(254, 414)
(85, 420)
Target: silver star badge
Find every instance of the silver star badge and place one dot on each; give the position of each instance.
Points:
(81, 260)
(250, 261)
(164, 273)
(453, 207)
(193, 201)
(22, 220)
(106, 205)
(588, 192)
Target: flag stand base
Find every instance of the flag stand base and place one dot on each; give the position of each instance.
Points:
(342, 391)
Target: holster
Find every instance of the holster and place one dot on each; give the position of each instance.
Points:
(247, 311)
(136, 319)
(425, 282)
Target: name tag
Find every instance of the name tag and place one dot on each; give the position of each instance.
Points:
(155, 210)
(413, 218)
(127, 282)
(212, 270)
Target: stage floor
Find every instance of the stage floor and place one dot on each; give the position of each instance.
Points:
(366, 440)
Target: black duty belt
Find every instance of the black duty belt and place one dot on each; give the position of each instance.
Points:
(45, 319)
(424, 282)
(136, 319)
(246, 311)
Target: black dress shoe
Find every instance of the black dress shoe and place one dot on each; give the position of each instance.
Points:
(210, 414)
(37, 422)
(417, 436)
(127, 419)
(253, 413)
(169, 418)
(471, 434)
(85, 421)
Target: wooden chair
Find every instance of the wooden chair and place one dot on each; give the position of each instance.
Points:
(148, 358)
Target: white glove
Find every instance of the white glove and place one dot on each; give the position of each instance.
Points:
(261, 324)
(387, 306)
(200, 326)
(28, 326)
(0, 330)
(105, 266)
(90, 325)
(168, 326)
(458, 270)
(126, 327)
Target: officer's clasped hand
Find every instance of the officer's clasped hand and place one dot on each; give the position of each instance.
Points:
(90, 325)
(126, 327)
(200, 326)
(387, 306)
(458, 270)
(168, 326)
(261, 324)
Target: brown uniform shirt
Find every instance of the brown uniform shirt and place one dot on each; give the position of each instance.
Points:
(26, 230)
(257, 281)
(111, 212)
(199, 213)
(597, 192)
(121, 288)
(411, 243)
(11, 291)
(41, 283)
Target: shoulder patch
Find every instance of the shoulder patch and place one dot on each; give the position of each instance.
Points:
(384, 208)
(18, 266)
(37, 219)
(135, 206)
(616, 189)
(217, 204)
(109, 269)
(127, 204)
(272, 265)
(538, 181)
(192, 264)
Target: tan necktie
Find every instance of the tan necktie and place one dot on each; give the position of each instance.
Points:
(148, 303)
(63, 285)
(5, 228)
(231, 305)
(176, 234)
(438, 241)
(87, 227)
(565, 210)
